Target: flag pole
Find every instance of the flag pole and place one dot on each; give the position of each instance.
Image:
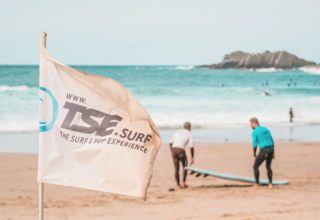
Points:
(41, 185)
(43, 40)
(41, 194)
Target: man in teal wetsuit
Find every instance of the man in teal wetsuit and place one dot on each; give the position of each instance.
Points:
(261, 137)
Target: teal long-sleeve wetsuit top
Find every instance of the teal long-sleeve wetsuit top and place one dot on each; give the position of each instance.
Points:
(261, 136)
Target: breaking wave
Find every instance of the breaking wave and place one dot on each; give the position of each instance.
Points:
(184, 67)
(4, 88)
(311, 69)
(266, 70)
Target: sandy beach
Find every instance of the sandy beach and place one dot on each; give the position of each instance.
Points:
(206, 198)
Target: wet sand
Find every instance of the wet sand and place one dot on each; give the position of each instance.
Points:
(206, 198)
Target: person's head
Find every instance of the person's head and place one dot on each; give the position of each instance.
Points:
(187, 125)
(254, 122)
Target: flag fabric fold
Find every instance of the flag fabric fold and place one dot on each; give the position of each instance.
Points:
(93, 133)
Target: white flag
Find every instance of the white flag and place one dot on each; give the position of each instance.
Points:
(93, 133)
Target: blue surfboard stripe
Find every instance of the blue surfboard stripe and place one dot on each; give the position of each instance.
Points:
(234, 177)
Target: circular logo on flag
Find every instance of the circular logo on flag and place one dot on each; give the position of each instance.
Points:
(47, 120)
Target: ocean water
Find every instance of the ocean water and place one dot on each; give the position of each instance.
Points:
(210, 99)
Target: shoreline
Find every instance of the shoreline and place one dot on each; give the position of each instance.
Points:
(27, 142)
(210, 144)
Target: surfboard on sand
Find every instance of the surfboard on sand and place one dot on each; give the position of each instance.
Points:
(205, 173)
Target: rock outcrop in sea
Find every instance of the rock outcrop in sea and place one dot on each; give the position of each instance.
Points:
(278, 59)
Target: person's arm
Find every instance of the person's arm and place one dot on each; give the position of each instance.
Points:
(170, 145)
(254, 144)
(191, 146)
(192, 155)
(272, 145)
(254, 152)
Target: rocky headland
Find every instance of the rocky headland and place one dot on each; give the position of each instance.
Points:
(267, 59)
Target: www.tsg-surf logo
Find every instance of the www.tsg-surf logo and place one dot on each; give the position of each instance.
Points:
(47, 121)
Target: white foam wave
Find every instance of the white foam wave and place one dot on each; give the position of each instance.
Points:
(266, 70)
(184, 67)
(205, 113)
(311, 69)
(21, 126)
(4, 88)
(226, 120)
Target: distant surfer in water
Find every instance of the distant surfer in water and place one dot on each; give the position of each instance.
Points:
(291, 115)
(266, 93)
(178, 143)
(262, 138)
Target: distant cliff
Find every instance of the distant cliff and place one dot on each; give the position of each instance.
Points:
(278, 59)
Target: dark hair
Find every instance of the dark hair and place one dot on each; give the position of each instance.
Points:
(187, 125)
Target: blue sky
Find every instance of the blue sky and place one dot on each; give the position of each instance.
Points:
(156, 32)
